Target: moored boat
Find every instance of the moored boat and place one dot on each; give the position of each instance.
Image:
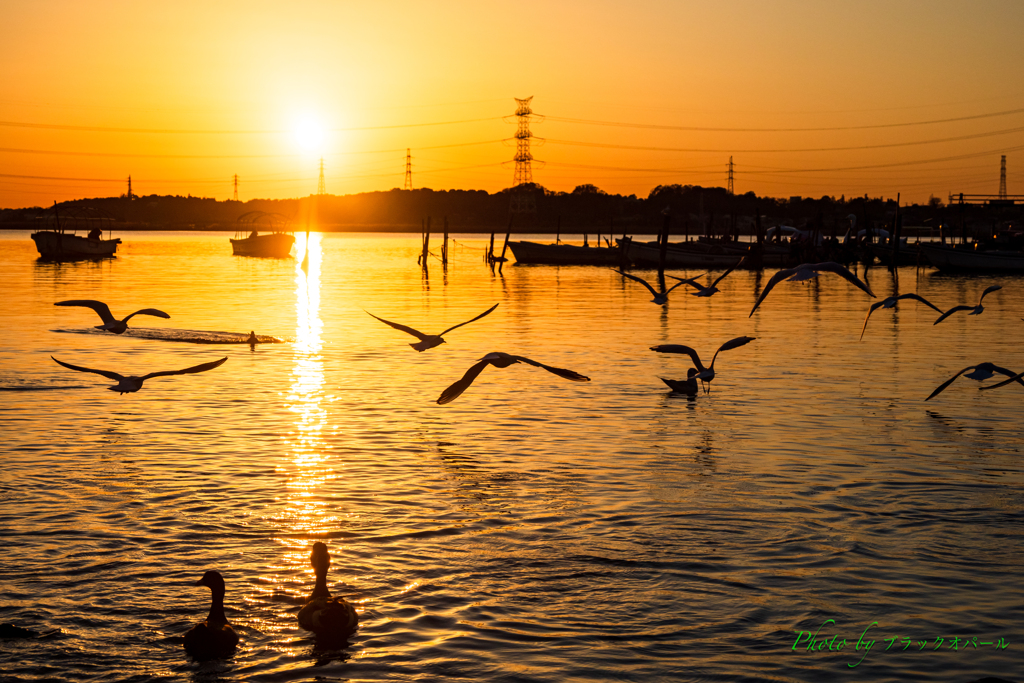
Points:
(564, 254)
(274, 245)
(967, 260)
(56, 245)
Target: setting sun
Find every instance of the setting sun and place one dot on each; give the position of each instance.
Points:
(310, 135)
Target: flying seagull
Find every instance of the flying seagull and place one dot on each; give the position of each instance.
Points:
(806, 271)
(981, 371)
(500, 360)
(710, 289)
(974, 310)
(703, 374)
(110, 324)
(1019, 378)
(429, 341)
(131, 383)
(891, 302)
(661, 297)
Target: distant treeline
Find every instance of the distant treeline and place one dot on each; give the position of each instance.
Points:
(690, 209)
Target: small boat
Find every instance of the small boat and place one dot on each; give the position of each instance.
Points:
(564, 254)
(277, 243)
(967, 260)
(273, 245)
(57, 241)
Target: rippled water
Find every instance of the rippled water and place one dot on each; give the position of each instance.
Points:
(533, 530)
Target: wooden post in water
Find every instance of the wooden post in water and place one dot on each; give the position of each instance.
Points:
(508, 233)
(895, 236)
(423, 231)
(663, 243)
(489, 256)
(963, 221)
(444, 245)
(558, 230)
(426, 242)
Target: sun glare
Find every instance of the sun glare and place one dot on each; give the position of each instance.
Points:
(310, 135)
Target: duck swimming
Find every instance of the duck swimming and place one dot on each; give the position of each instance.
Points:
(214, 638)
(322, 614)
(686, 386)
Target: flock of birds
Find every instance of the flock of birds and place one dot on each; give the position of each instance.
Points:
(334, 617)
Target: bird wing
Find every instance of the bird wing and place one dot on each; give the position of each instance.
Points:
(917, 297)
(101, 308)
(941, 387)
(186, 371)
(993, 288)
(776, 279)
(1019, 378)
(640, 280)
(679, 348)
(961, 307)
(456, 389)
(106, 373)
(872, 309)
(720, 277)
(147, 311)
(465, 323)
(681, 282)
(844, 272)
(561, 372)
(689, 281)
(408, 330)
(731, 344)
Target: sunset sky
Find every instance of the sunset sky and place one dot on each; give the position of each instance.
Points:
(809, 98)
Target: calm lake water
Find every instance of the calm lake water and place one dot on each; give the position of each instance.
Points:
(535, 529)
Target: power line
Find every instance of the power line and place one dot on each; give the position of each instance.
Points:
(178, 131)
(784, 130)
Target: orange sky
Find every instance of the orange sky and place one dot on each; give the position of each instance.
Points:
(182, 96)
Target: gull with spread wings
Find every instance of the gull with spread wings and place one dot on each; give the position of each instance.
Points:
(981, 371)
(806, 271)
(429, 341)
(974, 310)
(110, 324)
(500, 360)
(710, 289)
(660, 298)
(131, 383)
(704, 374)
(890, 302)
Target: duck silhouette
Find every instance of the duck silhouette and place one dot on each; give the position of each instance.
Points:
(686, 386)
(214, 638)
(322, 614)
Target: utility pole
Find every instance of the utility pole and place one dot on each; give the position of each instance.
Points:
(1002, 178)
(523, 200)
(321, 187)
(236, 187)
(730, 176)
(408, 168)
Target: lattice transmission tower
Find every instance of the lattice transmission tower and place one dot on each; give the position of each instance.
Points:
(129, 187)
(321, 187)
(523, 199)
(236, 187)
(730, 176)
(1002, 178)
(408, 168)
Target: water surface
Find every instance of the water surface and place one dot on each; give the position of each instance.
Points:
(533, 530)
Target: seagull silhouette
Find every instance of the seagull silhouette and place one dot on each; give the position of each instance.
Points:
(132, 383)
(974, 310)
(1019, 378)
(428, 341)
(981, 371)
(686, 386)
(500, 360)
(704, 374)
(891, 302)
(660, 298)
(110, 324)
(806, 271)
(710, 289)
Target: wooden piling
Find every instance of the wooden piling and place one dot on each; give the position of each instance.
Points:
(508, 233)
(895, 236)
